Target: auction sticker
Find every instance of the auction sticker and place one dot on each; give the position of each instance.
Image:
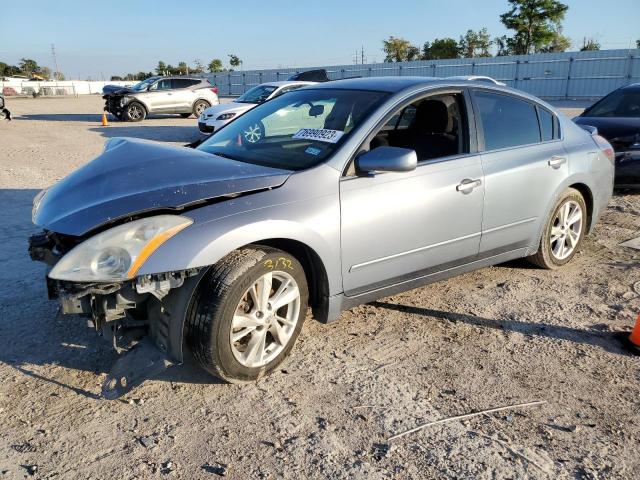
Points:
(319, 134)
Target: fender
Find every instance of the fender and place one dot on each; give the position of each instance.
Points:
(313, 219)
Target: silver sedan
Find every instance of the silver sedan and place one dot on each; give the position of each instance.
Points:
(355, 190)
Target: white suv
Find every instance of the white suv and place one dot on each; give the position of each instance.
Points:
(183, 95)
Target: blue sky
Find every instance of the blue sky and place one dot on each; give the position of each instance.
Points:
(100, 39)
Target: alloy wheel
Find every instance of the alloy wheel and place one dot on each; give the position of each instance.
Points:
(566, 230)
(265, 319)
(135, 112)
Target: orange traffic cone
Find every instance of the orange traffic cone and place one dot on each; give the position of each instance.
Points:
(632, 342)
(104, 119)
(635, 334)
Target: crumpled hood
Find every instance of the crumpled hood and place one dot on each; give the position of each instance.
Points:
(135, 176)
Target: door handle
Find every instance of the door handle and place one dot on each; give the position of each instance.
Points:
(169, 93)
(557, 161)
(467, 185)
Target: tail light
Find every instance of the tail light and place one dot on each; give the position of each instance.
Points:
(215, 90)
(605, 146)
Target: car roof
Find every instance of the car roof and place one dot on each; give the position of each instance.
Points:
(397, 84)
(284, 83)
(180, 77)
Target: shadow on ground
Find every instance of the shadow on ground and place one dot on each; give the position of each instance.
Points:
(608, 341)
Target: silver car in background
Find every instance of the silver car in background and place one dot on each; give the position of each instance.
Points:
(182, 95)
(214, 118)
(356, 190)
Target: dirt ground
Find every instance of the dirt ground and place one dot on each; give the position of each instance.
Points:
(498, 336)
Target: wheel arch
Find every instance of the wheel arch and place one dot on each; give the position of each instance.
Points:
(314, 268)
(587, 194)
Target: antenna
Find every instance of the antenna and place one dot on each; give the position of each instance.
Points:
(56, 74)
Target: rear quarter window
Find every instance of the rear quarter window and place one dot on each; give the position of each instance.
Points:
(506, 121)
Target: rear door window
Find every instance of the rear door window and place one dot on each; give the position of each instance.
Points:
(546, 124)
(506, 121)
(183, 82)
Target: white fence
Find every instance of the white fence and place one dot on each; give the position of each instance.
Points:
(13, 87)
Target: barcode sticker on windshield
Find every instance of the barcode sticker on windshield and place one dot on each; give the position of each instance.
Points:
(319, 134)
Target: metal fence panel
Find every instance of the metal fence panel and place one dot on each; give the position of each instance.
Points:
(547, 75)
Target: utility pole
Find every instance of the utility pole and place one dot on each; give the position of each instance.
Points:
(362, 55)
(56, 74)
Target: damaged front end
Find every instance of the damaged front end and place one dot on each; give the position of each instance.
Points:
(141, 318)
(115, 102)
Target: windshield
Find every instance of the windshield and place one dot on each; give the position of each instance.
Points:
(139, 87)
(294, 131)
(620, 103)
(257, 94)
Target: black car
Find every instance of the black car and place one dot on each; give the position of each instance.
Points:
(617, 118)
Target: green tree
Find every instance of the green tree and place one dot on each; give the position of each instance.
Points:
(535, 23)
(589, 44)
(396, 49)
(413, 53)
(115, 78)
(45, 72)
(198, 67)
(29, 66)
(234, 61)
(161, 69)
(637, 43)
(559, 43)
(475, 44)
(183, 68)
(502, 43)
(441, 48)
(215, 65)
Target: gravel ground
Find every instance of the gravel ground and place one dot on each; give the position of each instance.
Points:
(499, 336)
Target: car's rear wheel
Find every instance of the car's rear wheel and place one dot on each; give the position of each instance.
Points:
(185, 115)
(564, 231)
(135, 112)
(247, 313)
(199, 107)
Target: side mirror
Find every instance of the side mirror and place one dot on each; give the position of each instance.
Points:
(316, 110)
(387, 159)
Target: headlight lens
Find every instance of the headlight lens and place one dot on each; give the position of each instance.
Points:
(118, 253)
(226, 116)
(37, 200)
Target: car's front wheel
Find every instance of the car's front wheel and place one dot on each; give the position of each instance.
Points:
(135, 112)
(564, 231)
(247, 313)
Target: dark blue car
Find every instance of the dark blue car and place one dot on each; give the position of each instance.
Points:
(617, 118)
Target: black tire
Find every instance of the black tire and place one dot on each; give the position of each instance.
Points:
(185, 115)
(545, 257)
(199, 107)
(134, 112)
(209, 316)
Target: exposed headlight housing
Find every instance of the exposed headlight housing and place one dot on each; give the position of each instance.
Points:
(226, 116)
(118, 253)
